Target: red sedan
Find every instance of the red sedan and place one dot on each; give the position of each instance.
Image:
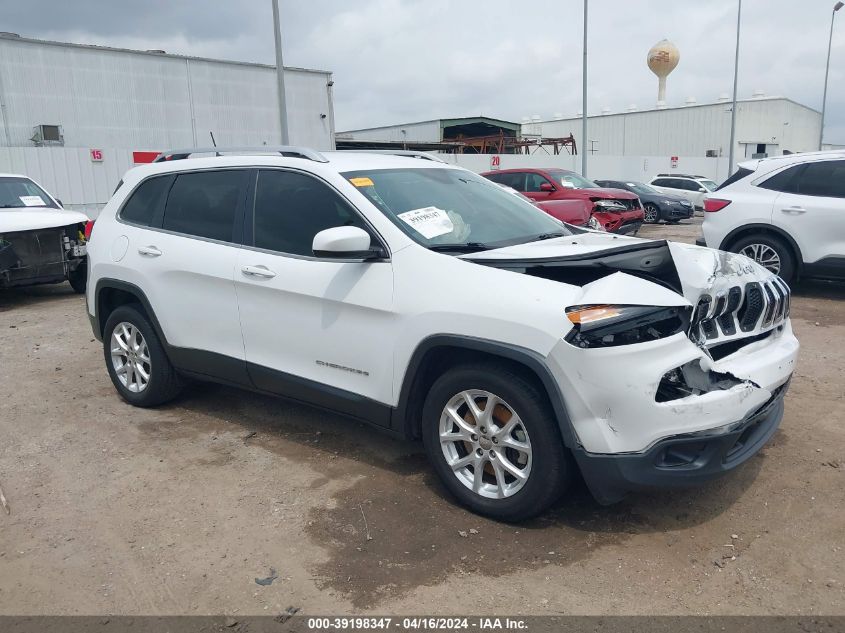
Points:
(616, 210)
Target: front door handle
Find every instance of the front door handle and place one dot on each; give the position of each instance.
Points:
(794, 210)
(258, 271)
(149, 251)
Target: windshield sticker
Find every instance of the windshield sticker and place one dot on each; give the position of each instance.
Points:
(361, 182)
(428, 221)
(32, 201)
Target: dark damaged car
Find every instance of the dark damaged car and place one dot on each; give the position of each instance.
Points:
(40, 242)
(428, 301)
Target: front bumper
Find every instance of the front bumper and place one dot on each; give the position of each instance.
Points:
(676, 212)
(682, 460)
(699, 241)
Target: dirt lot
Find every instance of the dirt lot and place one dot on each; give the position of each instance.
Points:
(178, 510)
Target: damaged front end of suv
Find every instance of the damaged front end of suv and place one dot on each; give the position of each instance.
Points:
(677, 359)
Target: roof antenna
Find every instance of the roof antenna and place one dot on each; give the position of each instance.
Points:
(213, 142)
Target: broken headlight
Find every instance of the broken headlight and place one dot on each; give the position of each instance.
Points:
(612, 325)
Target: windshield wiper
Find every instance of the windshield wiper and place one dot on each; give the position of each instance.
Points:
(469, 247)
(548, 236)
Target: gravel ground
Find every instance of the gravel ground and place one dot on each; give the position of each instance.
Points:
(178, 510)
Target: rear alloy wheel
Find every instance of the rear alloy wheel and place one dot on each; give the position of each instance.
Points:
(493, 440)
(652, 213)
(136, 361)
(770, 252)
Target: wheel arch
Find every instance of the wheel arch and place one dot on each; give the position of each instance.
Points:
(766, 229)
(436, 353)
(110, 294)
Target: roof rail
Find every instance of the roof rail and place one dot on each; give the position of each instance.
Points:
(284, 150)
(679, 176)
(402, 152)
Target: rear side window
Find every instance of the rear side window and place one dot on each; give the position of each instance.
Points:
(204, 204)
(661, 182)
(783, 181)
(514, 181)
(145, 201)
(825, 179)
(291, 208)
(739, 174)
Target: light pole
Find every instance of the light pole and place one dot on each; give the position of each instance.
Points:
(584, 101)
(836, 8)
(733, 107)
(280, 75)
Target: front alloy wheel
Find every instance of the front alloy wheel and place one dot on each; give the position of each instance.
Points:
(651, 213)
(493, 439)
(485, 444)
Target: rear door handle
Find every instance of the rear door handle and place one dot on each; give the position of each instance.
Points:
(149, 251)
(258, 271)
(794, 210)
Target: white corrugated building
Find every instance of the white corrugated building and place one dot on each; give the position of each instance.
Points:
(76, 117)
(764, 125)
(148, 100)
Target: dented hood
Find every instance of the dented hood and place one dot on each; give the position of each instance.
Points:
(627, 267)
(34, 218)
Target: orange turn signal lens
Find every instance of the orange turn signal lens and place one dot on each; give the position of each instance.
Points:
(589, 314)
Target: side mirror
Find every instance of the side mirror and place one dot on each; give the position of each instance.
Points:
(546, 186)
(702, 190)
(344, 242)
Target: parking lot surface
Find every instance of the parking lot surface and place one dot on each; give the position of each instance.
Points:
(178, 510)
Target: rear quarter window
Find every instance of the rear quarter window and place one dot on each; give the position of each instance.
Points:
(143, 203)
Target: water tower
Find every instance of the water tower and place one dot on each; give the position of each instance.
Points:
(662, 59)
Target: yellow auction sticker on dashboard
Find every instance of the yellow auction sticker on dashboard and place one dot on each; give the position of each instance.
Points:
(361, 182)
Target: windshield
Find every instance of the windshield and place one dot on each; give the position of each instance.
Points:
(16, 192)
(638, 187)
(708, 184)
(442, 208)
(571, 179)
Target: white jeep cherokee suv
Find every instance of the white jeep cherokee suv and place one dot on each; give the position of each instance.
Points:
(785, 212)
(424, 299)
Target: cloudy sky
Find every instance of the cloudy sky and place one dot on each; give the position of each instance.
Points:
(398, 61)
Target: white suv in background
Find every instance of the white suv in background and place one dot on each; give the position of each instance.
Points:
(425, 300)
(787, 213)
(693, 188)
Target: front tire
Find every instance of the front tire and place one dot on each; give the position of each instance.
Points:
(78, 278)
(770, 252)
(136, 361)
(651, 213)
(493, 440)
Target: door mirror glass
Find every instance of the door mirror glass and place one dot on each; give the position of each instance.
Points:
(344, 242)
(547, 186)
(702, 190)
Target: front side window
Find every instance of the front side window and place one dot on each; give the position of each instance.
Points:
(826, 179)
(145, 201)
(205, 203)
(534, 181)
(291, 208)
(18, 192)
(448, 208)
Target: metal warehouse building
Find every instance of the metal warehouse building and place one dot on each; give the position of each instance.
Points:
(54, 93)
(764, 125)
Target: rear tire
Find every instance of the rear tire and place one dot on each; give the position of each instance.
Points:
(770, 252)
(524, 466)
(136, 361)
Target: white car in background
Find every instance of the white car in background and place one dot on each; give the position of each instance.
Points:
(40, 242)
(787, 213)
(693, 188)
